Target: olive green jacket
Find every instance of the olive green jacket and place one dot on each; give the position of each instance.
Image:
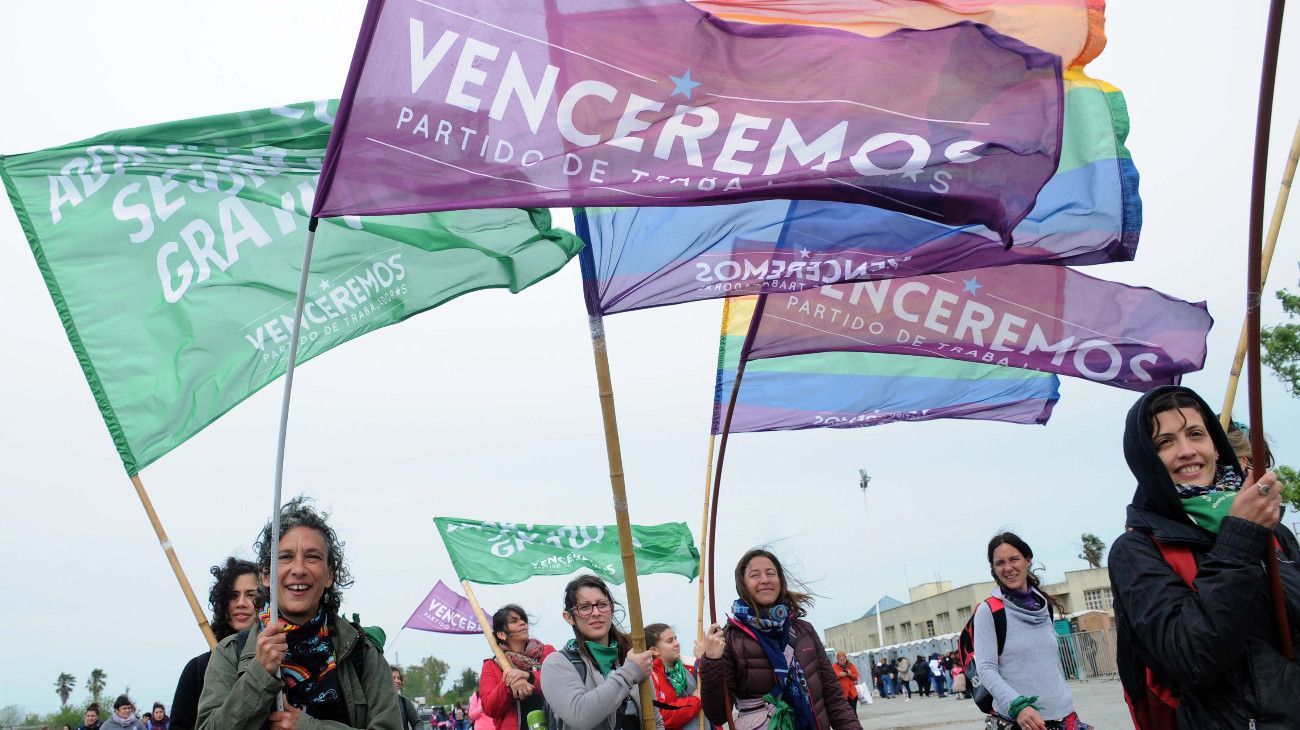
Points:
(238, 692)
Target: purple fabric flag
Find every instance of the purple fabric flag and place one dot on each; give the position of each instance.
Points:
(1048, 318)
(446, 612)
(484, 103)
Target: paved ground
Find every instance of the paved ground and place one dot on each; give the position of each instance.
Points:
(1099, 702)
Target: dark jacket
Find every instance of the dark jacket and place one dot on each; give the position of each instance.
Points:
(185, 703)
(745, 673)
(1215, 646)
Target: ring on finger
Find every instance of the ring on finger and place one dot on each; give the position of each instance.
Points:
(1263, 488)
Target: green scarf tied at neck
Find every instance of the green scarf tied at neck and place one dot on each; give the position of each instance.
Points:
(605, 656)
(1208, 510)
(677, 678)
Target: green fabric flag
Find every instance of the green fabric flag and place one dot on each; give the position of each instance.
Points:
(173, 254)
(498, 553)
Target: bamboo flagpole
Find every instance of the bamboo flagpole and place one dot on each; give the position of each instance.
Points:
(486, 625)
(175, 562)
(1254, 289)
(704, 533)
(1270, 244)
(614, 453)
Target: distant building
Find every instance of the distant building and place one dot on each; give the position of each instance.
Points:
(937, 612)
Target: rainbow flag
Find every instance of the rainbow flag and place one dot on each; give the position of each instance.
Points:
(1072, 29)
(1088, 212)
(858, 389)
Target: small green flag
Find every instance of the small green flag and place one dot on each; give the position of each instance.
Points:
(498, 553)
(173, 252)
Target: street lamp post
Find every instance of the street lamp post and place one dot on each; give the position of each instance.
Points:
(864, 480)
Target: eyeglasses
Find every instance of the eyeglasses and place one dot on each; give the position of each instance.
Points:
(588, 609)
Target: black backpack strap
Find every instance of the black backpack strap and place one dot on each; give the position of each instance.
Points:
(1000, 626)
(575, 658)
(240, 640)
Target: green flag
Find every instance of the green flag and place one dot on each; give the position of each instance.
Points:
(173, 255)
(497, 553)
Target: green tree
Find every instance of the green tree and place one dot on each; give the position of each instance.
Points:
(63, 687)
(462, 688)
(11, 716)
(425, 679)
(1093, 549)
(95, 683)
(1281, 345)
(1290, 485)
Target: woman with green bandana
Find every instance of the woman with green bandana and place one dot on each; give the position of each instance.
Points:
(677, 694)
(593, 682)
(1196, 630)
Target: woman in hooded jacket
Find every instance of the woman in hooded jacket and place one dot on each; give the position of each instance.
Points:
(1210, 648)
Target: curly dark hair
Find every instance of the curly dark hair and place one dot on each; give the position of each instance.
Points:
(224, 589)
(298, 513)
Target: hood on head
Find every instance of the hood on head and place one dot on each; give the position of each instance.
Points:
(1155, 492)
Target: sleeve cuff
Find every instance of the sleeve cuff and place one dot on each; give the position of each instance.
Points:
(262, 679)
(1242, 540)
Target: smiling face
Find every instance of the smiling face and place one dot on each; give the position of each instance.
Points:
(1184, 445)
(92, 717)
(762, 581)
(516, 633)
(241, 608)
(668, 648)
(592, 614)
(304, 574)
(1010, 567)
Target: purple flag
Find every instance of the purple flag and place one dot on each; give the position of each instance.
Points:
(484, 103)
(1048, 318)
(445, 612)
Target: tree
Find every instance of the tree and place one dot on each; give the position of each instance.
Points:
(63, 687)
(95, 683)
(11, 716)
(1093, 549)
(462, 688)
(425, 679)
(1290, 485)
(1281, 345)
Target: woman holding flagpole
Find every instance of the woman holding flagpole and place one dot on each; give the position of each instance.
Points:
(330, 674)
(594, 681)
(677, 694)
(508, 696)
(769, 662)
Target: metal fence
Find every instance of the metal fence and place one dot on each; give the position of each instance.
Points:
(1088, 654)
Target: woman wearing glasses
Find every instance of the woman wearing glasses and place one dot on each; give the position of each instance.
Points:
(593, 681)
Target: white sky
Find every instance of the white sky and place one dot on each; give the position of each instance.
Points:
(486, 407)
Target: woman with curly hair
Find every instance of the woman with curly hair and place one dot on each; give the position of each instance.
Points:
(330, 674)
(769, 662)
(234, 601)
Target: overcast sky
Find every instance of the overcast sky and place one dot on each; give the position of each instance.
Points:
(486, 407)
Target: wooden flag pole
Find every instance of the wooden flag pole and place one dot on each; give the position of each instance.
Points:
(175, 562)
(1270, 243)
(615, 455)
(704, 532)
(722, 446)
(1254, 289)
(486, 625)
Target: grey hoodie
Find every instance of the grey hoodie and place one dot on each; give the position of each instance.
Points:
(591, 704)
(1029, 664)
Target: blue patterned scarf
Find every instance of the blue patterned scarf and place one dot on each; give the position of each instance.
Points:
(773, 634)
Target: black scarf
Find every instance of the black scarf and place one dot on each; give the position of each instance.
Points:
(309, 669)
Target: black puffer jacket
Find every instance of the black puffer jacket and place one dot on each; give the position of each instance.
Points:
(1215, 646)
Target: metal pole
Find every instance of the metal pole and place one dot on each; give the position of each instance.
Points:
(864, 481)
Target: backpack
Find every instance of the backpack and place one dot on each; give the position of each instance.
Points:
(966, 652)
(1157, 709)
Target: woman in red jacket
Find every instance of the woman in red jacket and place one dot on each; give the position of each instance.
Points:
(769, 662)
(508, 696)
(676, 692)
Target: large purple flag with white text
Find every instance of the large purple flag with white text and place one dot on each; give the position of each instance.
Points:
(444, 611)
(485, 103)
(1048, 318)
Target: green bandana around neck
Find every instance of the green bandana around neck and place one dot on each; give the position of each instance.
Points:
(677, 678)
(1208, 510)
(605, 656)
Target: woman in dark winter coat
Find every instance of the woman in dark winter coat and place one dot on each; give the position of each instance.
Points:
(748, 659)
(1212, 646)
(921, 671)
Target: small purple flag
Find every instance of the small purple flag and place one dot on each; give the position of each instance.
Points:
(446, 612)
(1048, 318)
(485, 103)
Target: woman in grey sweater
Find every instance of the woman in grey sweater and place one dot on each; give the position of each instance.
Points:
(592, 683)
(1028, 687)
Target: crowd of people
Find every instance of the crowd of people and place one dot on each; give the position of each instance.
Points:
(1196, 639)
